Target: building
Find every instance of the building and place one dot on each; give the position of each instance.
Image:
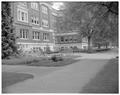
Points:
(36, 28)
(70, 40)
(34, 24)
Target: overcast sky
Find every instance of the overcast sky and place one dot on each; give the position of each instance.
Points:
(57, 5)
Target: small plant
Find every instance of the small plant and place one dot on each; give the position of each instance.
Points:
(48, 51)
(56, 58)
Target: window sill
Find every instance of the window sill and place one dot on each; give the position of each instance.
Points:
(46, 40)
(37, 39)
(35, 9)
(23, 21)
(24, 38)
(35, 24)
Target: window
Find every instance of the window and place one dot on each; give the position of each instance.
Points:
(24, 33)
(23, 4)
(70, 39)
(45, 36)
(36, 35)
(54, 26)
(44, 10)
(34, 6)
(62, 39)
(45, 23)
(22, 15)
(35, 20)
(66, 40)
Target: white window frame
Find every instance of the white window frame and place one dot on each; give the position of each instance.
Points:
(44, 9)
(45, 23)
(19, 15)
(45, 36)
(54, 22)
(25, 32)
(23, 4)
(35, 35)
(35, 19)
(34, 6)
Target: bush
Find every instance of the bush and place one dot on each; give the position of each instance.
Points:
(19, 61)
(48, 51)
(56, 58)
(8, 37)
(105, 49)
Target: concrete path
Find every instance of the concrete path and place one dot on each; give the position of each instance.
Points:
(68, 79)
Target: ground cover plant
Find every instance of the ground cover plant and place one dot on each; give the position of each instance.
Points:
(40, 61)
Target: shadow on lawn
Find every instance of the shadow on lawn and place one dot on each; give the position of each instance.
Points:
(10, 78)
(106, 81)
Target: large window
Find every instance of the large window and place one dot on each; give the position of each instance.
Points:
(24, 33)
(62, 39)
(44, 9)
(54, 26)
(24, 4)
(36, 35)
(35, 20)
(34, 6)
(45, 36)
(45, 23)
(22, 15)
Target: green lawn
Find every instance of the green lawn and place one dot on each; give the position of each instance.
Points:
(10, 78)
(106, 81)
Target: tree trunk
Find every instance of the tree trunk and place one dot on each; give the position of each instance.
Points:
(106, 45)
(99, 46)
(89, 43)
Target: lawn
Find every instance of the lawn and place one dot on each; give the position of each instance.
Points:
(10, 78)
(39, 61)
(106, 81)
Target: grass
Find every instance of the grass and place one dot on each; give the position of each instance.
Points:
(19, 61)
(30, 61)
(106, 81)
(10, 78)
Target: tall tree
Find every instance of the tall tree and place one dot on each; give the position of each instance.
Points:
(8, 36)
(90, 18)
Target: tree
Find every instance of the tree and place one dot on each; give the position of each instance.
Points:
(107, 23)
(79, 18)
(8, 37)
(92, 18)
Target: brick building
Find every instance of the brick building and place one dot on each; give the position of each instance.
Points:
(70, 40)
(34, 24)
(36, 27)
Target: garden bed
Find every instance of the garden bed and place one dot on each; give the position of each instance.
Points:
(39, 61)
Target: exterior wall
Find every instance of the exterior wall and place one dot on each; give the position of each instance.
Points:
(30, 43)
(54, 39)
(73, 40)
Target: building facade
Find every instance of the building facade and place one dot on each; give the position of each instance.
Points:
(34, 24)
(70, 40)
(36, 28)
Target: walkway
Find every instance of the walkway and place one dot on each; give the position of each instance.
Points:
(68, 79)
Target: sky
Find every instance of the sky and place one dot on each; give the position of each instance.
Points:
(57, 5)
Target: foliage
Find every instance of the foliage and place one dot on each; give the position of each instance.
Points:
(8, 38)
(48, 51)
(91, 20)
(56, 58)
